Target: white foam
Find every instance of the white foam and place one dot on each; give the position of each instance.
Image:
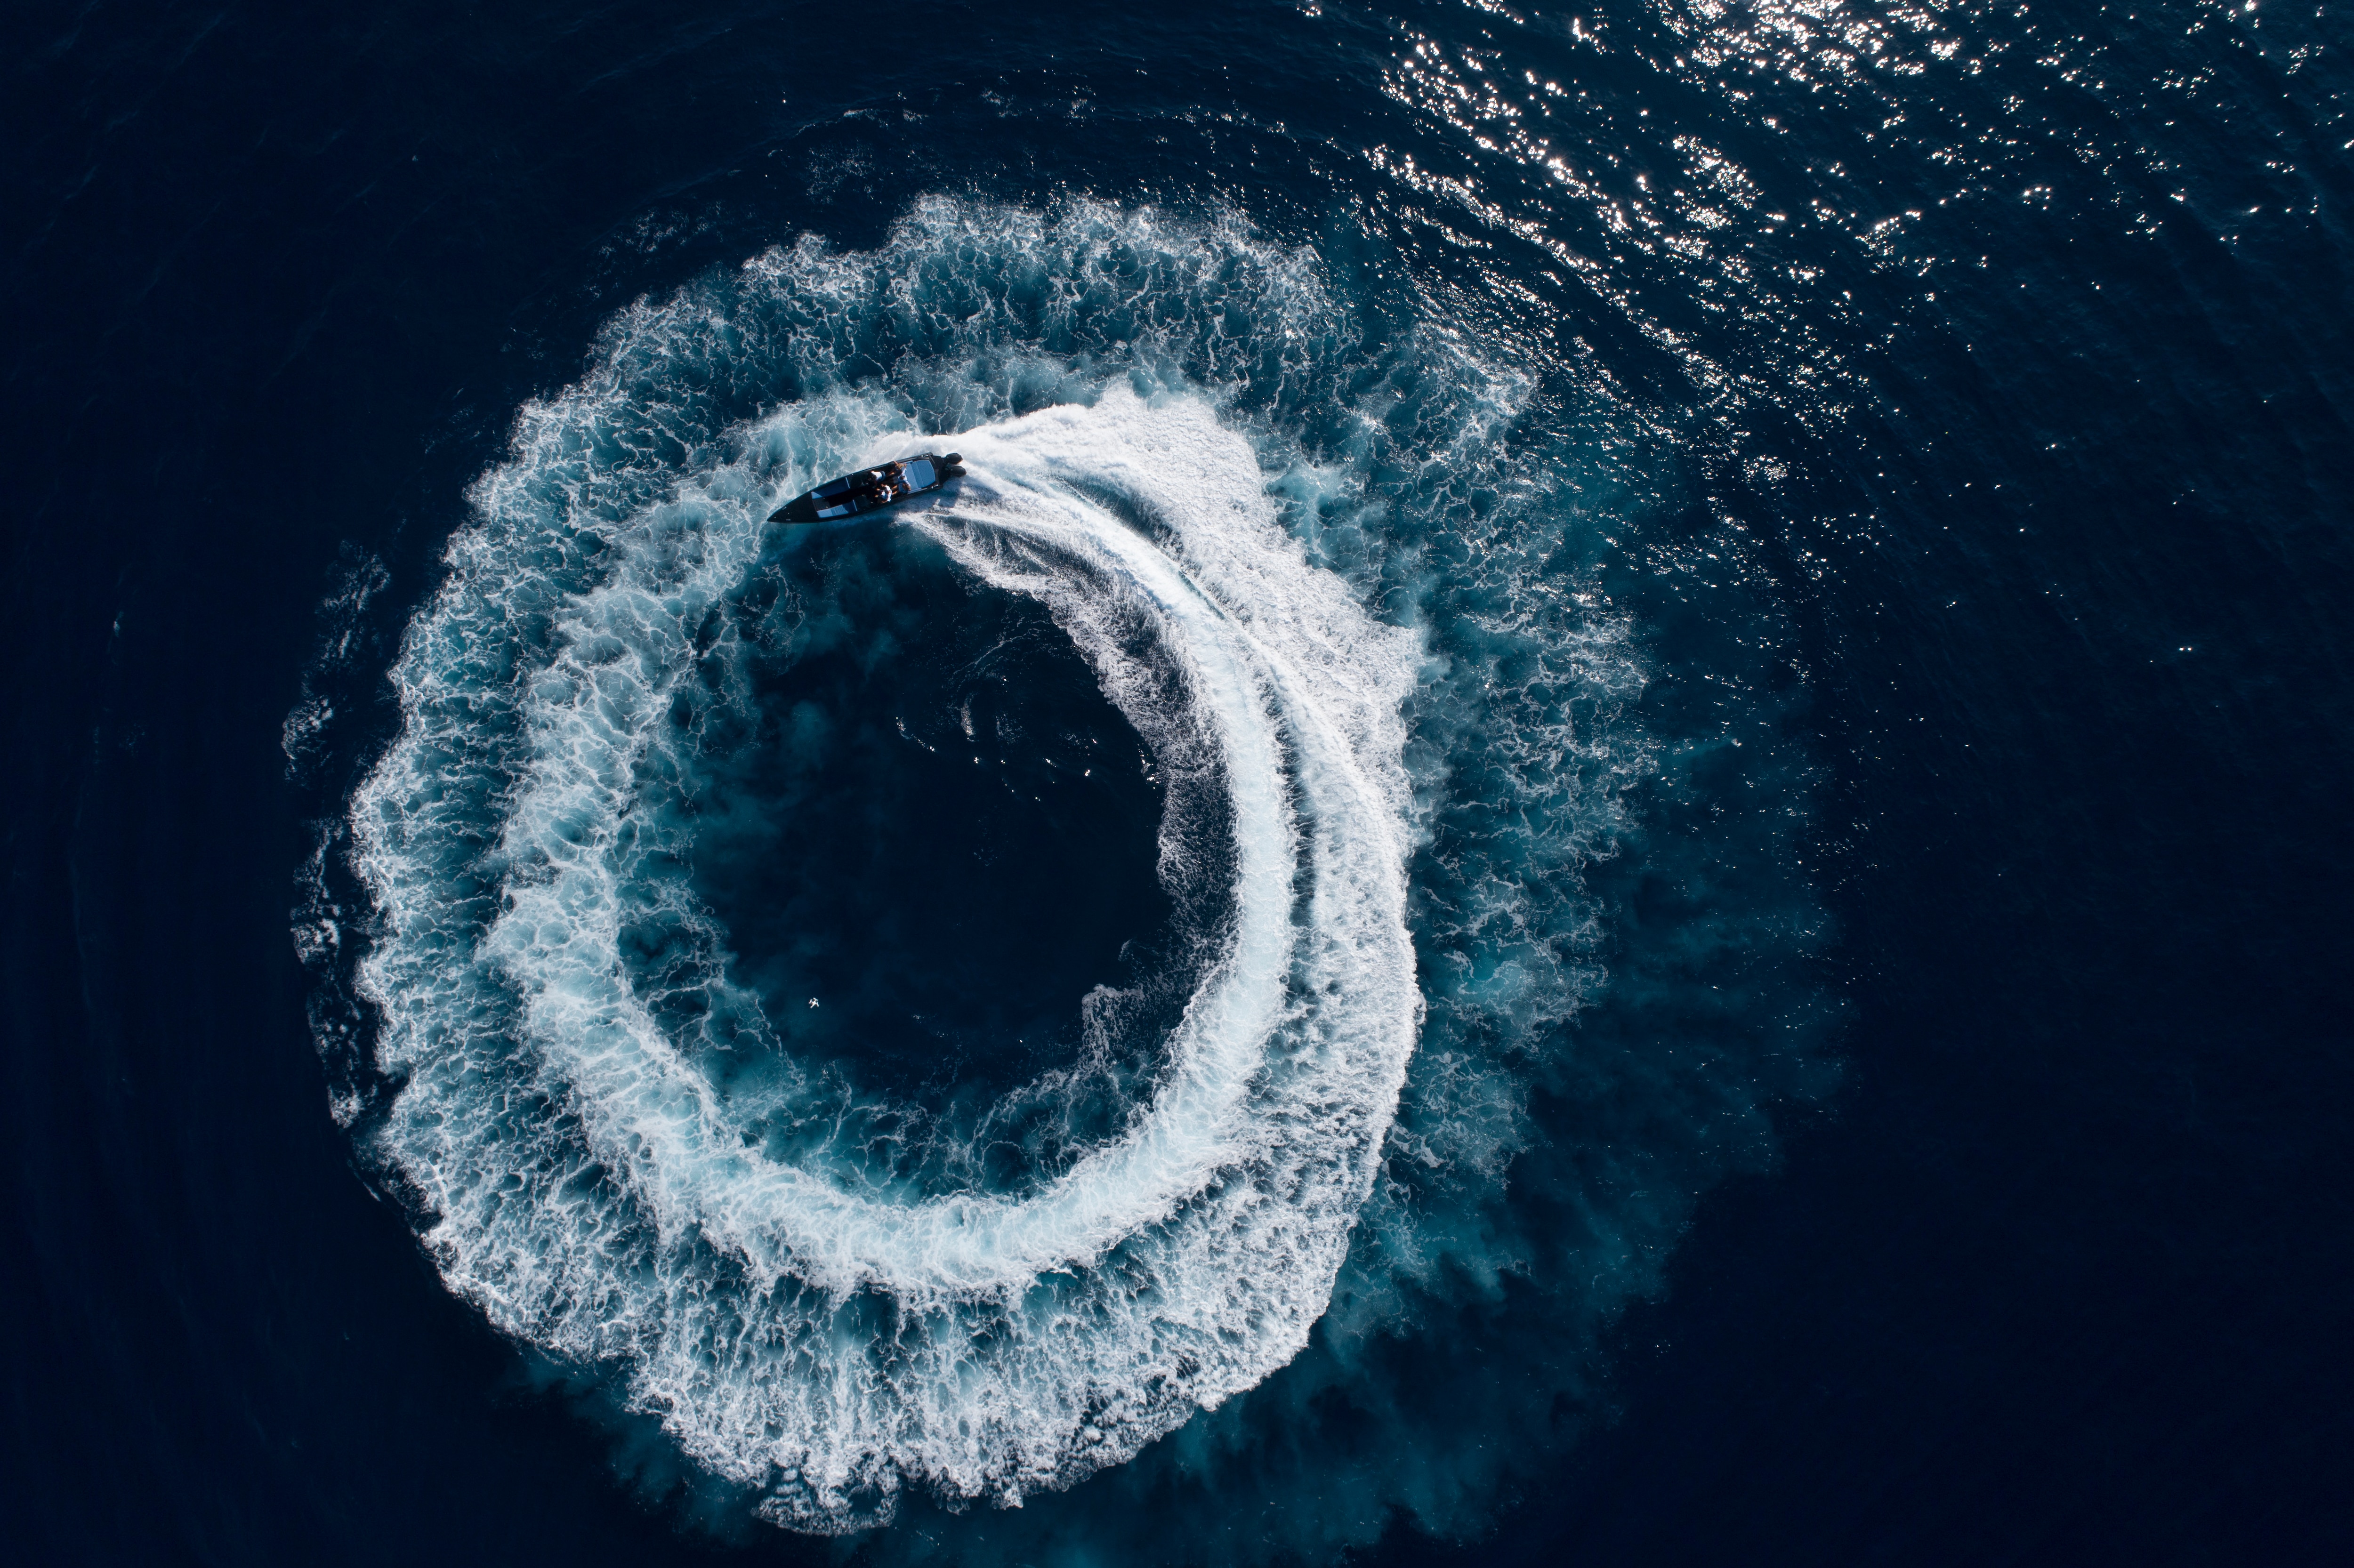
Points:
(829, 1340)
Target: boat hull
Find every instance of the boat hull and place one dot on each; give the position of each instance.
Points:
(870, 489)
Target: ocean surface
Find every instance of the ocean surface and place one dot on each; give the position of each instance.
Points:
(1612, 826)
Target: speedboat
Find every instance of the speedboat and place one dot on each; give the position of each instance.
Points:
(870, 487)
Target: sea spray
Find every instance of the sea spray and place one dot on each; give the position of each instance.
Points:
(1327, 576)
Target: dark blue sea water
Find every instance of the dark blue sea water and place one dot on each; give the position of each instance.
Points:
(1611, 828)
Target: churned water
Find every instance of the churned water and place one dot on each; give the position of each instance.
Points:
(1337, 584)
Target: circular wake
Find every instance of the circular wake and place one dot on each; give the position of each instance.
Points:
(1284, 604)
(808, 1323)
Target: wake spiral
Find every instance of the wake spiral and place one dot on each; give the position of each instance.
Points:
(1319, 562)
